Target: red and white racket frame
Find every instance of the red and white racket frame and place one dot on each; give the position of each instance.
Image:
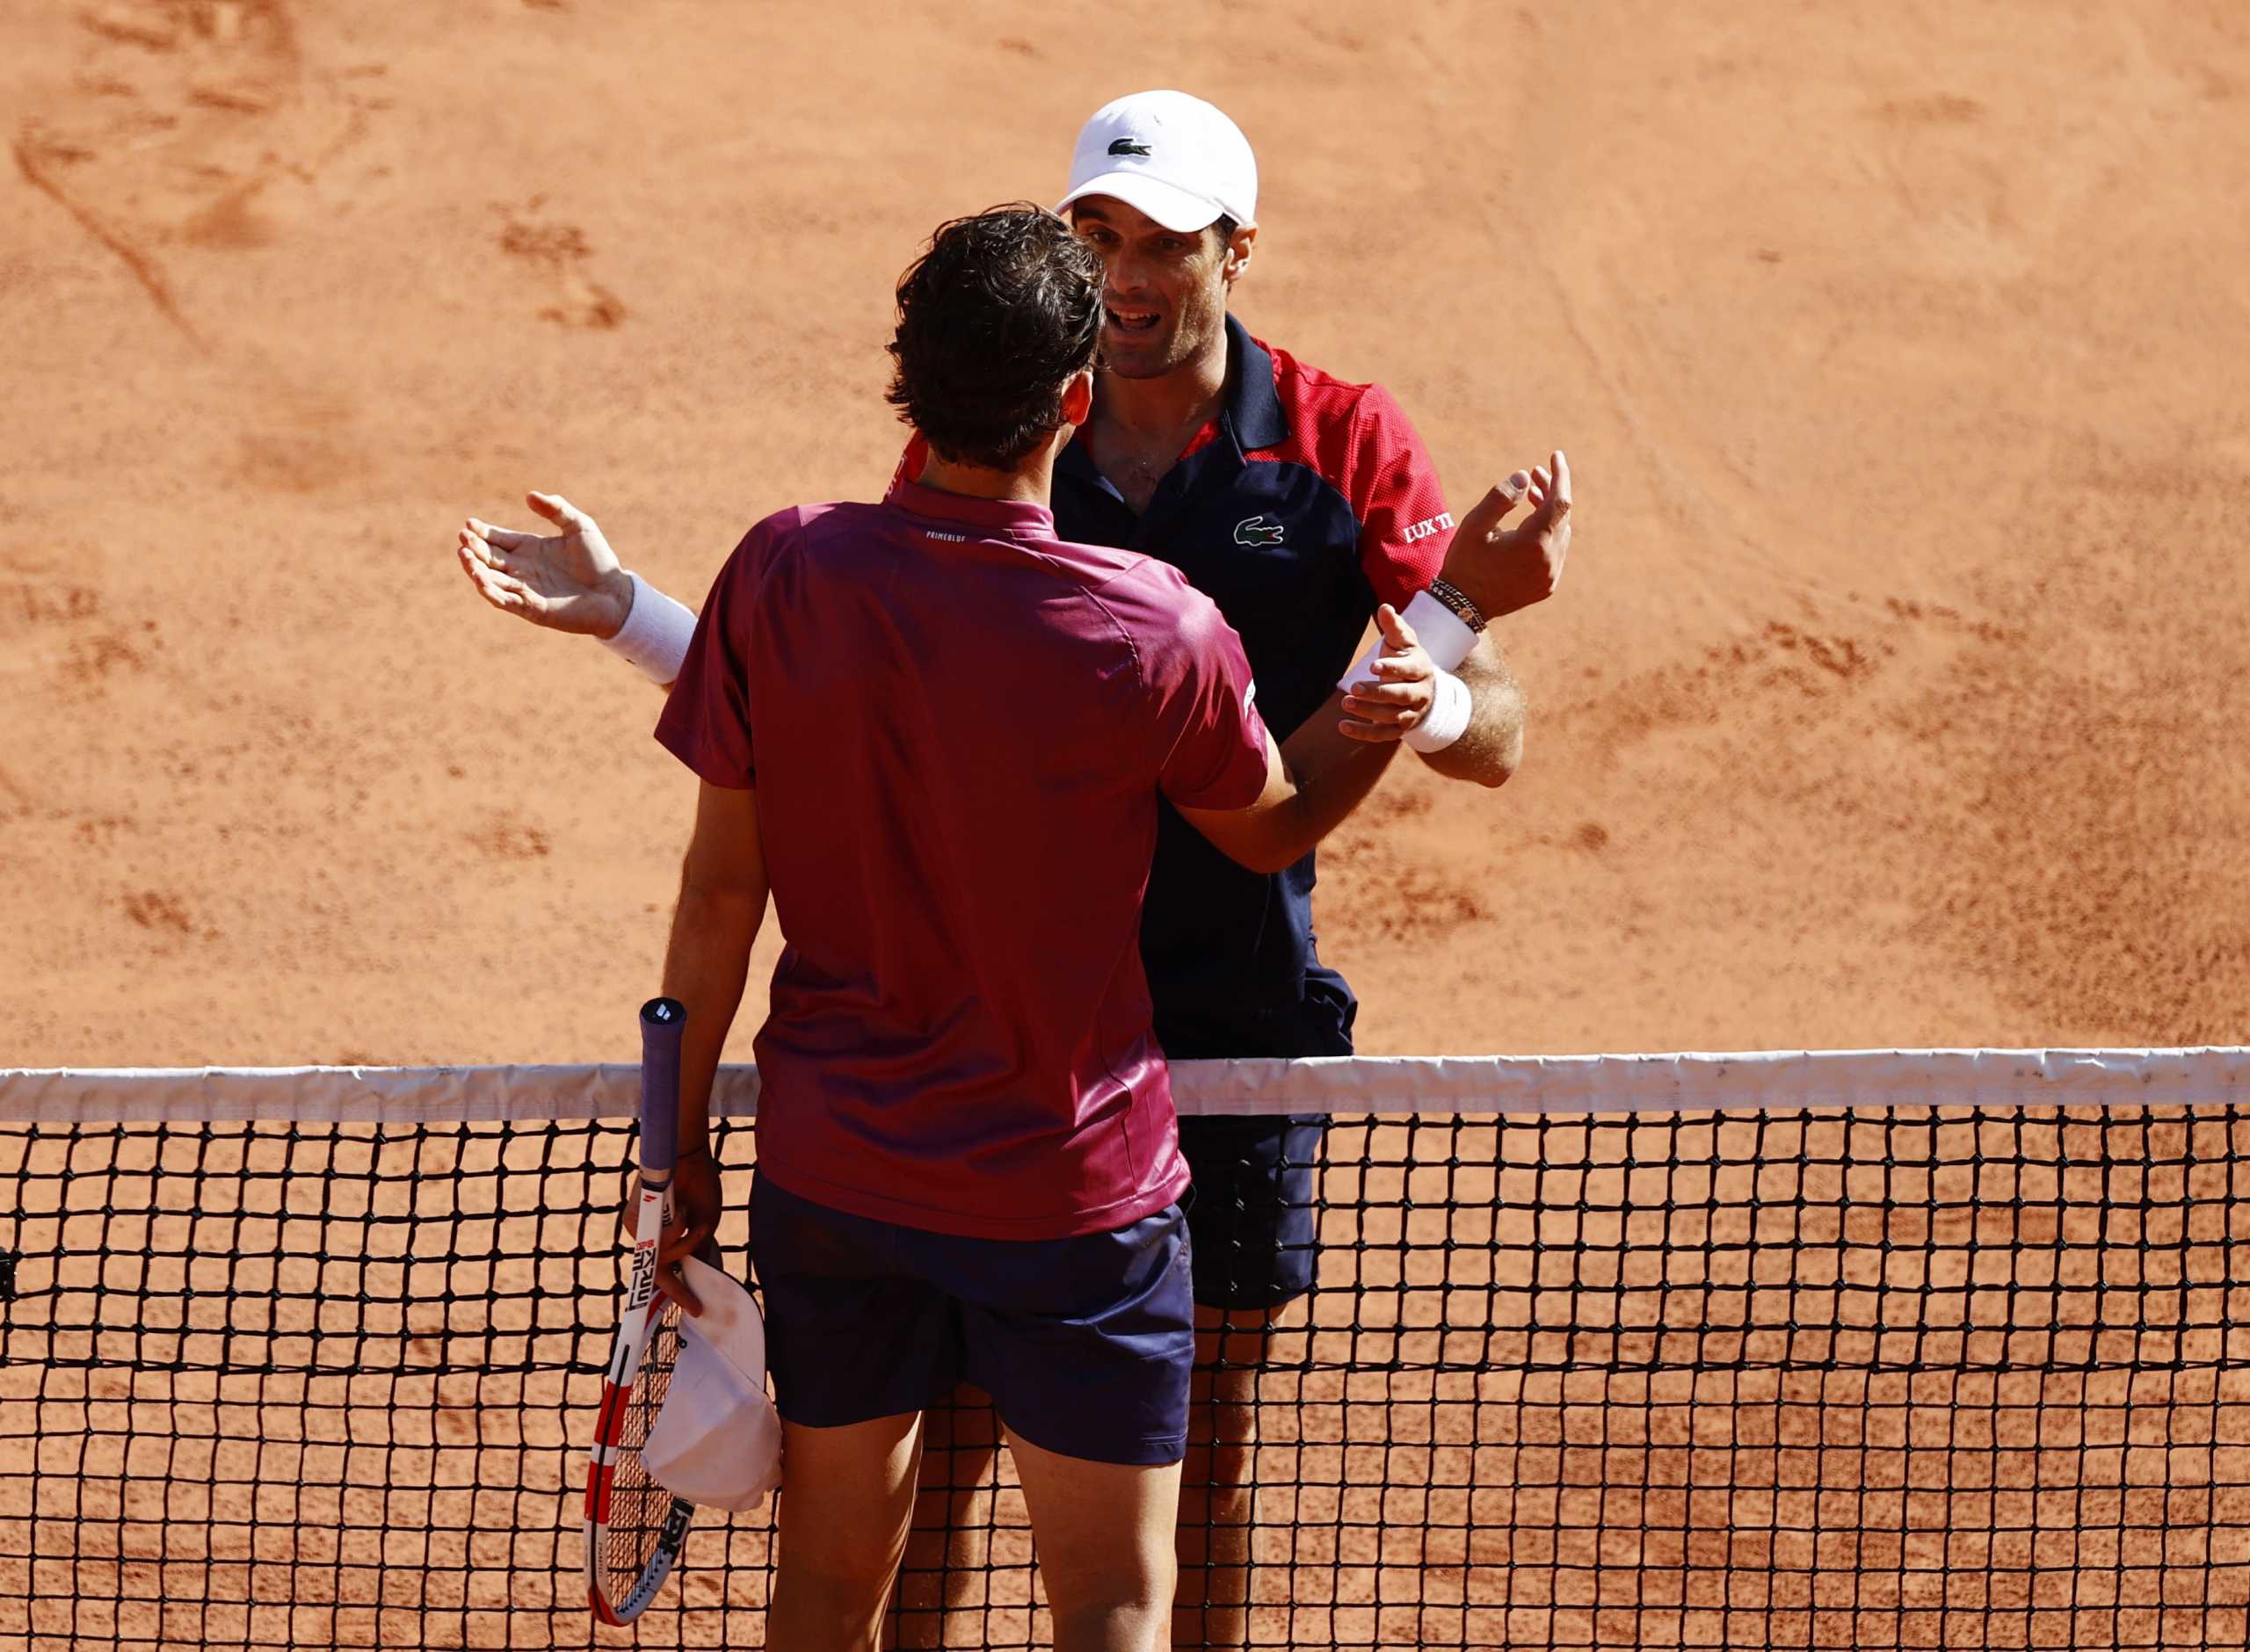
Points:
(660, 1023)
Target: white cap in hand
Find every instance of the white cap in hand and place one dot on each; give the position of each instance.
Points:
(717, 1441)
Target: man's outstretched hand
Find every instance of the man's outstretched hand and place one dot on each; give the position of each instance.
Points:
(1502, 569)
(567, 581)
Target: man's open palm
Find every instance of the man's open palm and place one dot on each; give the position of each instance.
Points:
(568, 581)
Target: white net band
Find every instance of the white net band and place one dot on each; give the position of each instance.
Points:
(1682, 1083)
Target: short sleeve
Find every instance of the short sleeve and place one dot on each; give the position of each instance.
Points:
(1405, 528)
(706, 720)
(1211, 742)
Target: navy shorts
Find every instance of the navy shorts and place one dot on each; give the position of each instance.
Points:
(1251, 1212)
(1085, 1344)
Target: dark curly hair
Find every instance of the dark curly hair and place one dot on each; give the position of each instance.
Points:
(994, 320)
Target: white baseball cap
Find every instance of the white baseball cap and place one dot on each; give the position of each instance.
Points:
(1174, 157)
(717, 1441)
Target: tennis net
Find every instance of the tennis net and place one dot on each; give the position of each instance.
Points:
(1895, 1350)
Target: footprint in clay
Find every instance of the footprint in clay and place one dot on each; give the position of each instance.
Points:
(560, 252)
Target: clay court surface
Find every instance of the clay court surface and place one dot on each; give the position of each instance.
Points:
(1894, 697)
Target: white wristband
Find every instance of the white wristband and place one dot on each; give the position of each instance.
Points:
(655, 633)
(1444, 636)
(1448, 718)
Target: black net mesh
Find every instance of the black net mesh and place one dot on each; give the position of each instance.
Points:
(1954, 1377)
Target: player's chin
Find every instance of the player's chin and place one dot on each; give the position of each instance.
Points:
(1130, 355)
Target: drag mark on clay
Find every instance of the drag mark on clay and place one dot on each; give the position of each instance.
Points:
(183, 114)
(1419, 901)
(1943, 109)
(40, 158)
(1797, 669)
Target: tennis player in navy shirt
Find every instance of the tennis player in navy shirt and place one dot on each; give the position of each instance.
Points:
(968, 1164)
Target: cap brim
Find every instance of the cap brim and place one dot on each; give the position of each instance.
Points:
(1168, 204)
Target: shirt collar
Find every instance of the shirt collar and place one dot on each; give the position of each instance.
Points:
(1015, 518)
(1252, 408)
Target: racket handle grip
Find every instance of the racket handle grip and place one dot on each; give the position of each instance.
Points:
(663, 1020)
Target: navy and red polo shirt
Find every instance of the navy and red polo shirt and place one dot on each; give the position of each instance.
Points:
(959, 727)
(1305, 502)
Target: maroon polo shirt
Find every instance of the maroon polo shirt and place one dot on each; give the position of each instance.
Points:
(958, 726)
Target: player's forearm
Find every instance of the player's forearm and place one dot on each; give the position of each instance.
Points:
(1329, 774)
(1491, 748)
(713, 929)
(1312, 785)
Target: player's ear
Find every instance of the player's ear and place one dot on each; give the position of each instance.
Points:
(1078, 397)
(1237, 255)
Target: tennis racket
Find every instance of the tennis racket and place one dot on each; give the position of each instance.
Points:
(635, 1528)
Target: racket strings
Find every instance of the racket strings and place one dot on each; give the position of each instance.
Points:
(638, 1506)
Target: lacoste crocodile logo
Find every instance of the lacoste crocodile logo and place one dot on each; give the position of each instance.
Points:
(1127, 146)
(1257, 530)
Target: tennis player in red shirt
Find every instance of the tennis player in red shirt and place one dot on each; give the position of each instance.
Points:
(1300, 504)
(938, 734)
